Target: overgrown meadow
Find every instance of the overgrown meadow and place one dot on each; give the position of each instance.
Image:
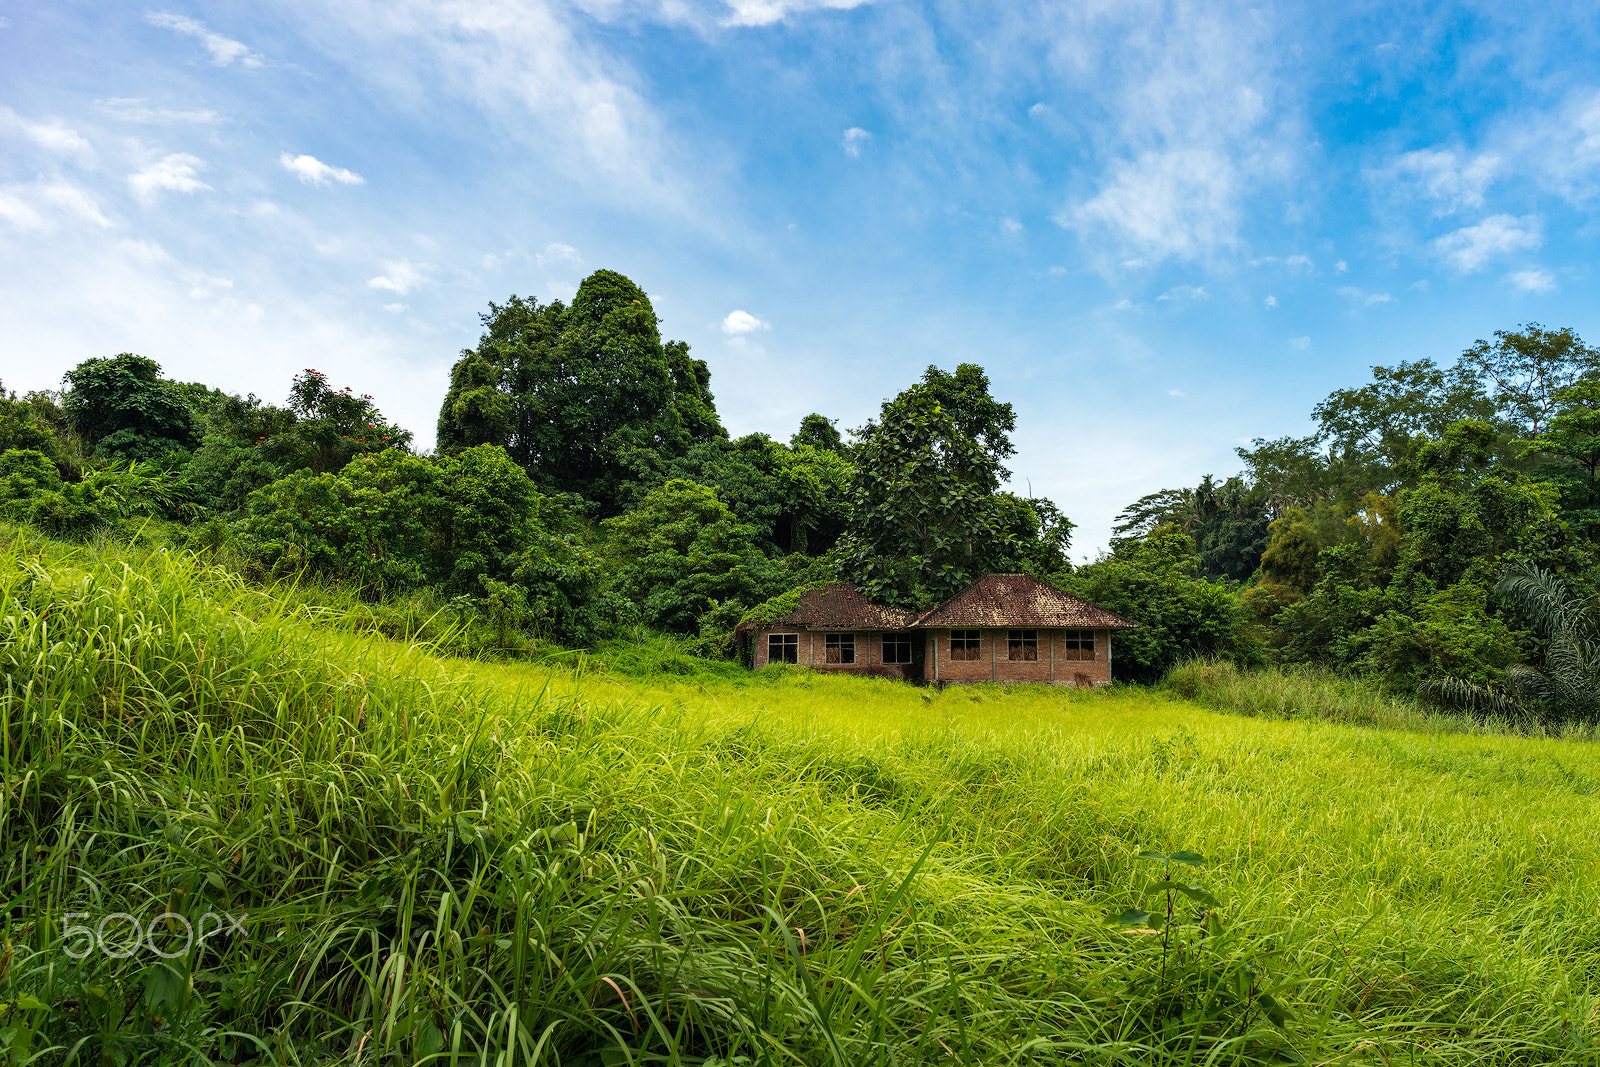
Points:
(423, 859)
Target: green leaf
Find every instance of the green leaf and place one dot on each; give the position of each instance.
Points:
(1193, 859)
(1158, 856)
(1130, 917)
(1273, 1010)
(1197, 893)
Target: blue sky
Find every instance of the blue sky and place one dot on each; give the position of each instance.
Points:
(1162, 228)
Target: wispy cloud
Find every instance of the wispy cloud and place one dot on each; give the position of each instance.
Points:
(1532, 281)
(223, 50)
(175, 173)
(53, 136)
(41, 205)
(399, 276)
(558, 254)
(312, 171)
(1471, 248)
(766, 12)
(738, 323)
(1363, 297)
(1195, 122)
(854, 138)
(1271, 301)
(1185, 293)
(1451, 179)
(1299, 344)
(137, 109)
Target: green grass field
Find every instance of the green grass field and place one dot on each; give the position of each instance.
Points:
(447, 861)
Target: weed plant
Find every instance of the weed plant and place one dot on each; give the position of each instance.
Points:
(439, 861)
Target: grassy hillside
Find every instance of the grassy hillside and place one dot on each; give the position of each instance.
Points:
(443, 861)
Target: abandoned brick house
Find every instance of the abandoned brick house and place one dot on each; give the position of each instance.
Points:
(1001, 628)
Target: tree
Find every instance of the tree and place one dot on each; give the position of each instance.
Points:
(587, 398)
(1154, 583)
(1377, 427)
(1565, 686)
(330, 427)
(924, 518)
(1530, 369)
(467, 524)
(819, 432)
(680, 553)
(126, 410)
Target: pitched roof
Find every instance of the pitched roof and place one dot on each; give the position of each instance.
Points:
(841, 605)
(1018, 600)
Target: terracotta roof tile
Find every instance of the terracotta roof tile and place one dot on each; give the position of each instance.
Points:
(1018, 600)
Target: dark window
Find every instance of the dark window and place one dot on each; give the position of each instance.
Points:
(783, 648)
(965, 644)
(840, 648)
(897, 648)
(1079, 644)
(1022, 645)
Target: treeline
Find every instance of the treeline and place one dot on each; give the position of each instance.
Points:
(1437, 533)
(582, 487)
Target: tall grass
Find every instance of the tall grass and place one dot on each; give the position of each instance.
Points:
(1309, 693)
(450, 862)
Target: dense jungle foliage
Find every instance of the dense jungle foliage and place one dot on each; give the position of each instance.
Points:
(1435, 535)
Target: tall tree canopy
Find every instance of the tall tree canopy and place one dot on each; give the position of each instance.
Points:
(127, 410)
(587, 398)
(925, 516)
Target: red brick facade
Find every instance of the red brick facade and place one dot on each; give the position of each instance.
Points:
(812, 651)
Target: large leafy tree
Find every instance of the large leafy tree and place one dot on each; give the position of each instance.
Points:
(587, 398)
(1529, 370)
(682, 553)
(925, 519)
(796, 498)
(126, 410)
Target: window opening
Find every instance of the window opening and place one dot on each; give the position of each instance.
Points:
(965, 644)
(897, 648)
(783, 648)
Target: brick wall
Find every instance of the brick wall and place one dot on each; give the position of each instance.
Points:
(812, 652)
(993, 664)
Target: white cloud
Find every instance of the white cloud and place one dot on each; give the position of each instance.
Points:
(1299, 261)
(766, 12)
(1532, 281)
(1443, 175)
(738, 323)
(1174, 204)
(854, 137)
(1340, 267)
(557, 254)
(399, 276)
(173, 173)
(1010, 227)
(1561, 145)
(394, 309)
(1187, 113)
(312, 171)
(1123, 305)
(1362, 296)
(1185, 292)
(41, 205)
(1271, 301)
(1472, 247)
(224, 50)
(1176, 392)
(53, 136)
(137, 109)
(1299, 344)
